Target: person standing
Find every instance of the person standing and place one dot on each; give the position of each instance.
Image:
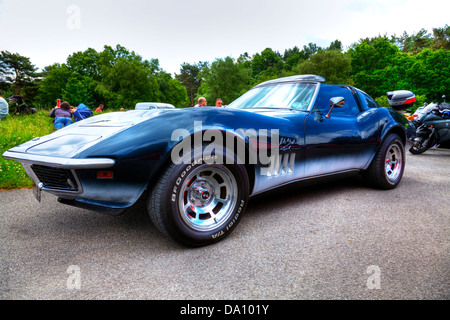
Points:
(201, 102)
(4, 107)
(219, 103)
(99, 109)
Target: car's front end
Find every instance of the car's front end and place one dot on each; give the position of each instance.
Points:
(71, 164)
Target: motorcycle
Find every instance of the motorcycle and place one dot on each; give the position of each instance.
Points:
(433, 127)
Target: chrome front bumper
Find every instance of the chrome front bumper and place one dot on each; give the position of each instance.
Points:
(63, 163)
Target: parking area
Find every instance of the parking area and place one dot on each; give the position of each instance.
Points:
(339, 240)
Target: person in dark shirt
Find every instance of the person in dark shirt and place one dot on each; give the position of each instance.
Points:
(62, 115)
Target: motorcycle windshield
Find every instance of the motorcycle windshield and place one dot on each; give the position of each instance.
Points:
(427, 110)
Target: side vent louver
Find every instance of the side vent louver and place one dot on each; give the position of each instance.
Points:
(280, 165)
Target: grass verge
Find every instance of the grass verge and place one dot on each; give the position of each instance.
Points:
(15, 130)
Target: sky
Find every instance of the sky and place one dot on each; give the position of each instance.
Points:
(179, 31)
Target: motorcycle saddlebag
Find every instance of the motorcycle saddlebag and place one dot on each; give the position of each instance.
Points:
(401, 99)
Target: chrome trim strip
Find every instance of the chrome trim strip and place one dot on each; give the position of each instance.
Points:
(349, 171)
(64, 163)
(314, 98)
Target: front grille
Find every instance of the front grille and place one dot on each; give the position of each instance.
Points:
(56, 178)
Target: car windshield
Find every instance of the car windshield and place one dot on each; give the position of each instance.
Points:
(277, 96)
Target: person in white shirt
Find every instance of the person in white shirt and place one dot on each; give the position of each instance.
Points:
(201, 102)
(4, 107)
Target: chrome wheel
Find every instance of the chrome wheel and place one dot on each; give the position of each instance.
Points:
(394, 162)
(197, 203)
(386, 170)
(207, 197)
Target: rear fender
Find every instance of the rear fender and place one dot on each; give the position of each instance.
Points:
(389, 126)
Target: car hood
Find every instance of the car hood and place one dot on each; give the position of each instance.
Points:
(73, 139)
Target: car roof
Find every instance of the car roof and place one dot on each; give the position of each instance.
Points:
(303, 77)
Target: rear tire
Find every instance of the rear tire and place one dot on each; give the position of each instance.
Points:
(199, 203)
(386, 169)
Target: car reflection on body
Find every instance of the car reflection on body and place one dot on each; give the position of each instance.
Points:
(198, 167)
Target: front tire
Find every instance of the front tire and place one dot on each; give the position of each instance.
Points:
(386, 170)
(197, 203)
(418, 148)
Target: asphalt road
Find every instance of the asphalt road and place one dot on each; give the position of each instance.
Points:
(339, 240)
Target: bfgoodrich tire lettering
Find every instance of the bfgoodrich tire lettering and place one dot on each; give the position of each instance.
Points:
(199, 203)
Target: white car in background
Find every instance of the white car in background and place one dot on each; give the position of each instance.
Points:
(153, 105)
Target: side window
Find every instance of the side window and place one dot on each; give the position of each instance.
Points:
(367, 100)
(329, 91)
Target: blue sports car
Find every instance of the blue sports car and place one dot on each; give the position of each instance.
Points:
(197, 167)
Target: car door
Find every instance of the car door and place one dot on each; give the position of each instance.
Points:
(344, 141)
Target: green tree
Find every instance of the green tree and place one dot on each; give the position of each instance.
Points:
(128, 82)
(413, 43)
(54, 84)
(85, 63)
(190, 78)
(115, 77)
(267, 64)
(225, 79)
(292, 57)
(373, 62)
(333, 65)
(310, 50)
(125, 78)
(441, 38)
(336, 45)
(172, 91)
(427, 73)
(78, 90)
(16, 70)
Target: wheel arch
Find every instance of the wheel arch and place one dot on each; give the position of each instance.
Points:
(396, 129)
(226, 136)
(375, 174)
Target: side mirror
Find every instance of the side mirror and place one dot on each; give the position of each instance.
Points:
(336, 102)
